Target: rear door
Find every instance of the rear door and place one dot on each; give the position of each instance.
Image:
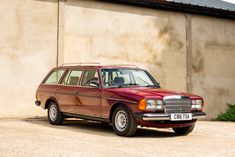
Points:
(66, 94)
(89, 97)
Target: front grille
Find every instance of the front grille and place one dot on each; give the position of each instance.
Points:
(177, 105)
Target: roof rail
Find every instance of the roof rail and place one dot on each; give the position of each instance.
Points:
(128, 65)
(84, 63)
(96, 63)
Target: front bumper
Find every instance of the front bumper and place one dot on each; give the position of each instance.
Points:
(165, 116)
(37, 103)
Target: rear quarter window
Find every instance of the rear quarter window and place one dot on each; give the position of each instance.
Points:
(54, 77)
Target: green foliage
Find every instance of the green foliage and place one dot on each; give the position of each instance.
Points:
(229, 115)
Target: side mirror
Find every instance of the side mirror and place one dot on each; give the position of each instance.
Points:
(94, 84)
(158, 84)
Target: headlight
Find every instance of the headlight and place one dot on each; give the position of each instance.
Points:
(196, 104)
(151, 105)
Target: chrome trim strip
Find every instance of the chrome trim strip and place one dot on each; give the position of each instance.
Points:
(91, 96)
(122, 100)
(196, 117)
(199, 115)
(155, 116)
(171, 97)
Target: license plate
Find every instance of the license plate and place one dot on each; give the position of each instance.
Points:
(181, 116)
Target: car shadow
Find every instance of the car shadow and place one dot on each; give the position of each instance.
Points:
(97, 128)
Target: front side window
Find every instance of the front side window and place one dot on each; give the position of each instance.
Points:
(90, 76)
(54, 77)
(126, 77)
(72, 77)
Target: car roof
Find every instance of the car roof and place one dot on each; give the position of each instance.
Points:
(96, 65)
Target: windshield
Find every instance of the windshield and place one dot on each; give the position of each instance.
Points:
(127, 77)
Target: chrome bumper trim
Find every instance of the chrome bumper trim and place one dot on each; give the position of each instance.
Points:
(156, 116)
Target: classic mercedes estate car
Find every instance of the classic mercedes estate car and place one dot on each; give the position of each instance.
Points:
(125, 96)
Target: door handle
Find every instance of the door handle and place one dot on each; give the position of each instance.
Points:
(57, 90)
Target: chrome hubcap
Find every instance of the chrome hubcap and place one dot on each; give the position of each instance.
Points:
(53, 112)
(121, 120)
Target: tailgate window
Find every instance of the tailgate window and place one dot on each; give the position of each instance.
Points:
(54, 77)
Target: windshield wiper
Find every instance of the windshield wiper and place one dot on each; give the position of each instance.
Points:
(128, 84)
(154, 85)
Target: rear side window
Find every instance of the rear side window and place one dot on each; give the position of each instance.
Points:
(54, 77)
(72, 78)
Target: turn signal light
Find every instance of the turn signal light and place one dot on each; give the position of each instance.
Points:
(142, 105)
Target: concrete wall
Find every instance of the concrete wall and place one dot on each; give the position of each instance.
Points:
(213, 44)
(28, 44)
(112, 34)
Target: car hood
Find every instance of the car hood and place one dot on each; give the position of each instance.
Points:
(145, 92)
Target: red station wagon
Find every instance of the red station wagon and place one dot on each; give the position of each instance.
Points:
(125, 96)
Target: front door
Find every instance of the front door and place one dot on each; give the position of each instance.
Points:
(88, 95)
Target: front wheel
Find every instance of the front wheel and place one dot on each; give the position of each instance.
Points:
(124, 123)
(55, 117)
(184, 130)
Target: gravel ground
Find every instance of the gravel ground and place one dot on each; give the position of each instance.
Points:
(27, 137)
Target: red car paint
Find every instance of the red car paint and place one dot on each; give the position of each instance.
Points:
(98, 103)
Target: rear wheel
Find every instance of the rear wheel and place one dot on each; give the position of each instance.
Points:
(55, 117)
(184, 130)
(124, 124)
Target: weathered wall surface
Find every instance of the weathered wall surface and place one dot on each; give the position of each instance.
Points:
(28, 43)
(113, 34)
(213, 53)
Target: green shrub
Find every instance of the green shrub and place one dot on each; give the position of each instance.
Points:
(229, 115)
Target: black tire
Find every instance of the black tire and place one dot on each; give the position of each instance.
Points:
(130, 124)
(57, 118)
(184, 130)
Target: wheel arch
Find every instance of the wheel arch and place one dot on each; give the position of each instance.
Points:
(115, 105)
(51, 99)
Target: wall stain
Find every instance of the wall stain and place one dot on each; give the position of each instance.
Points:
(13, 57)
(148, 46)
(216, 43)
(222, 92)
(18, 34)
(168, 36)
(91, 43)
(198, 62)
(153, 56)
(125, 41)
(201, 29)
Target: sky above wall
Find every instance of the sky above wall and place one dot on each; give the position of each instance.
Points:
(231, 1)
